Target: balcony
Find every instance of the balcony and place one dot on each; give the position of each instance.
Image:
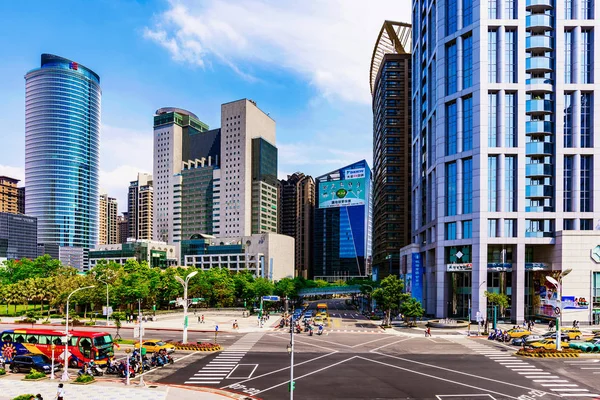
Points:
(538, 234)
(538, 64)
(539, 128)
(539, 148)
(539, 209)
(538, 5)
(539, 43)
(538, 23)
(538, 107)
(539, 191)
(537, 170)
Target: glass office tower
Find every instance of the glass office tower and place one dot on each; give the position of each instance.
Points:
(62, 132)
(504, 165)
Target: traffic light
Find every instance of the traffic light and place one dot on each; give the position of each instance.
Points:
(291, 386)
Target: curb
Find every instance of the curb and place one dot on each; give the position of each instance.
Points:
(550, 355)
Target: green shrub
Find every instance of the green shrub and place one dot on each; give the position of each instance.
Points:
(2, 371)
(23, 397)
(85, 378)
(35, 375)
(90, 323)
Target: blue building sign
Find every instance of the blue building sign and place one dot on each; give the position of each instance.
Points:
(417, 276)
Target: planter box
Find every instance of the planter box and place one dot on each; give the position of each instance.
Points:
(83, 383)
(34, 380)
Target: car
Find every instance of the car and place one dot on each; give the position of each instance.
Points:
(307, 317)
(543, 344)
(518, 332)
(552, 335)
(526, 339)
(154, 345)
(36, 362)
(571, 333)
(318, 320)
(593, 339)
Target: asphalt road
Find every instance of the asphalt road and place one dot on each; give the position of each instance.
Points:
(361, 365)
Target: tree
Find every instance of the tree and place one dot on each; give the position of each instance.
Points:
(262, 287)
(286, 288)
(389, 295)
(496, 299)
(411, 308)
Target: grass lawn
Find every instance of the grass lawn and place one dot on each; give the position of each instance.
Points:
(10, 311)
(126, 341)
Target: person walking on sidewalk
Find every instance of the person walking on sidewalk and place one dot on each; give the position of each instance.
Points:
(60, 393)
(202, 319)
(428, 332)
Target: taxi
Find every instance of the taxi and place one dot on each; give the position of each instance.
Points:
(518, 332)
(324, 315)
(154, 345)
(318, 320)
(571, 333)
(549, 344)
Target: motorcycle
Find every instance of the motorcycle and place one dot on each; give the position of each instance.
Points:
(123, 370)
(320, 331)
(95, 369)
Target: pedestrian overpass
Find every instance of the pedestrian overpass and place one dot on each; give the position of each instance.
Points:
(330, 290)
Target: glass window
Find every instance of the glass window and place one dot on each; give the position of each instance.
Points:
(451, 16)
(451, 189)
(568, 184)
(510, 228)
(587, 9)
(451, 128)
(492, 55)
(510, 60)
(586, 119)
(467, 122)
(492, 183)
(510, 9)
(451, 69)
(569, 225)
(492, 9)
(467, 53)
(510, 120)
(586, 56)
(510, 183)
(492, 120)
(568, 120)
(492, 228)
(568, 9)
(467, 12)
(467, 229)
(568, 55)
(467, 186)
(586, 225)
(586, 184)
(451, 231)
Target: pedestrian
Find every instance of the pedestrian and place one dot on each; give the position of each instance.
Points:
(202, 318)
(60, 393)
(428, 332)
(198, 319)
(38, 397)
(574, 323)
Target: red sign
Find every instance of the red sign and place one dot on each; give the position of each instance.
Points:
(74, 65)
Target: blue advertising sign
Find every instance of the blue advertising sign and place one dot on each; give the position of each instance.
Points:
(270, 298)
(417, 276)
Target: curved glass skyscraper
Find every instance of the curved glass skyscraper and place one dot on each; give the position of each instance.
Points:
(62, 131)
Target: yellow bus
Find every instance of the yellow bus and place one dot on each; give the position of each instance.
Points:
(322, 310)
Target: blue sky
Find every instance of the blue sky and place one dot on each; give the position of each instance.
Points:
(305, 64)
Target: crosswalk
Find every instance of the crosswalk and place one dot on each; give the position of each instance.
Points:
(286, 331)
(586, 365)
(227, 360)
(554, 383)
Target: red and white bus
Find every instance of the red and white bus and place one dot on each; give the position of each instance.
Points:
(83, 346)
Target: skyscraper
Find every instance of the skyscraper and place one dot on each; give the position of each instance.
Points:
(62, 127)
(342, 227)
(248, 170)
(296, 213)
(391, 73)
(140, 208)
(9, 195)
(108, 220)
(122, 228)
(505, 159)
(178, 136)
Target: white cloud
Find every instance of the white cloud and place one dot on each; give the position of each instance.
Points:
(13, 172)
(328, 42)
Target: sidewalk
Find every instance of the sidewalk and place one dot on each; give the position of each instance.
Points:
(11, 386)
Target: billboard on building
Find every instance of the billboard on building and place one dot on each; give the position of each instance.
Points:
(346, 192)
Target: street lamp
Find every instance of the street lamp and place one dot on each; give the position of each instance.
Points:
(558, 285)
(290, 350)
(107, 306)
(65, 375)
(185, 301)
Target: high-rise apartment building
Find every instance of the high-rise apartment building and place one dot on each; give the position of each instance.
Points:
(248, 170)
(342, 224)
(296, 213)
(505, 156)
(390, 82)
(122, 228)
(18, 236)
(21, 200)
(178, 136)
(107, 226)
(140, 208)
(62, 127)
(9, 195)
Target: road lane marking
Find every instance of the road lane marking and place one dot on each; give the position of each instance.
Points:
(389, 344)
(560, 384)
(551, 380)
(371, 341)
(579, 395)
(201, 383)
(569, 390)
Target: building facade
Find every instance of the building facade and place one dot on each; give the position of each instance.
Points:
(9, 195)
(62, 127)
(108, 220)
(197, 198)
(296, 213)
(266, 255)
(342, 225)
(504, 158)
(241, 122)
(156, 254)
(18, 236)
(21, 200)
(391, 74)
(140, 208)
(122, 228)
(178, 136)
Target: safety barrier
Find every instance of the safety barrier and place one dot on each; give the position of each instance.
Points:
(548, 355)
(193, 348)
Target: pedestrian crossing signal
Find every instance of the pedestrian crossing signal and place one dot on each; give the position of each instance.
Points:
(291, 386)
